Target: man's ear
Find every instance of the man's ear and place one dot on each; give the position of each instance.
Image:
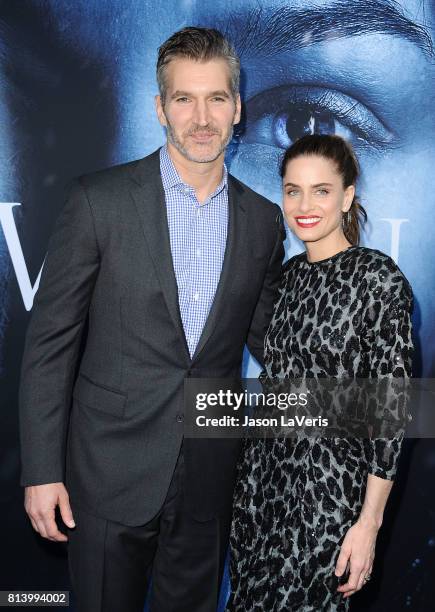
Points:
(238, 110)
(160, 111)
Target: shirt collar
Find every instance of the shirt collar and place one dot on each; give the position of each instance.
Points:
(171, 178)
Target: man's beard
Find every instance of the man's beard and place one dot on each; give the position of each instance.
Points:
(172, 138)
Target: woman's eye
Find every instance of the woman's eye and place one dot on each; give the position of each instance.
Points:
(279, 116)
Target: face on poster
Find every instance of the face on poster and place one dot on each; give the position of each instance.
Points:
(362, 69)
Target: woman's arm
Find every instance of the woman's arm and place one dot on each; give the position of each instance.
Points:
(377, 492)
(389, 344)
(358, 548)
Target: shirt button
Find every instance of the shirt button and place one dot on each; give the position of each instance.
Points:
(196, 296)
(180, 418)
(198, 252)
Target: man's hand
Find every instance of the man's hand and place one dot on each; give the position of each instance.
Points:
(40, 503)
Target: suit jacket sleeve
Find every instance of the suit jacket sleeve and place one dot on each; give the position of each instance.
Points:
(264, 309)
(53, 340)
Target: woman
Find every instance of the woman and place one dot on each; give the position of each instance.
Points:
(308, 510)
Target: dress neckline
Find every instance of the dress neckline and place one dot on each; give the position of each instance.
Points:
(331, 258)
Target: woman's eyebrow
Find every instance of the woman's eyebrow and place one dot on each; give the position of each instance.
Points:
(290, 184)
(280, 28)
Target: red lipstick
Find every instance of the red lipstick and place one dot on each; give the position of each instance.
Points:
(307, 221)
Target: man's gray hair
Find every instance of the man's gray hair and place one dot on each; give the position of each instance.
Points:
(201, 45)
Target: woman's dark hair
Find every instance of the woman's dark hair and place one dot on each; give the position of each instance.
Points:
(341, 153)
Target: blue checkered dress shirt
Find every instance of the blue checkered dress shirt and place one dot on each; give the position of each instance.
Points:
(198, 236)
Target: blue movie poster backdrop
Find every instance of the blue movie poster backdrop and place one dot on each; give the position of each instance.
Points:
(77, 86)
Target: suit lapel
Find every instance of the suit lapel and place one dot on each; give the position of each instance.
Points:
(149, 199)
(234, 250)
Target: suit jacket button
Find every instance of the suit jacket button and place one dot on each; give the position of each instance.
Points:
(180, 418)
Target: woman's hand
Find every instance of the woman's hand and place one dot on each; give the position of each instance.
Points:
(357, 550)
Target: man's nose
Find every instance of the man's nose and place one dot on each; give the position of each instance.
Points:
(201, 113)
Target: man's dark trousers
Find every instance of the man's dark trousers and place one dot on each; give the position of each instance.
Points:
(110, 563)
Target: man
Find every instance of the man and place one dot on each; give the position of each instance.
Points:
(157, 270)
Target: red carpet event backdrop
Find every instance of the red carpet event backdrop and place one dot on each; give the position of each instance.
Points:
(77, 86)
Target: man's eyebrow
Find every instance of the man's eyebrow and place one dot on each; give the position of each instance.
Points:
(219, 93)
(272, 30)
(179, 93)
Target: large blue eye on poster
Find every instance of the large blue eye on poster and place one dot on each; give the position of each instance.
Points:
(77, 86)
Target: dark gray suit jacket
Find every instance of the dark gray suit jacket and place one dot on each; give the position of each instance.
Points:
(101, 394)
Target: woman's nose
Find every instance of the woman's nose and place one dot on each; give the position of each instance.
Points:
(305, 203)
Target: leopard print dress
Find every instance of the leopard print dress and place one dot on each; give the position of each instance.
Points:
(295, 498)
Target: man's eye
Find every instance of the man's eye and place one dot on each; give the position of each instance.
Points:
(292, 192)
(183, 99)
(322, 191)
(279, 116)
